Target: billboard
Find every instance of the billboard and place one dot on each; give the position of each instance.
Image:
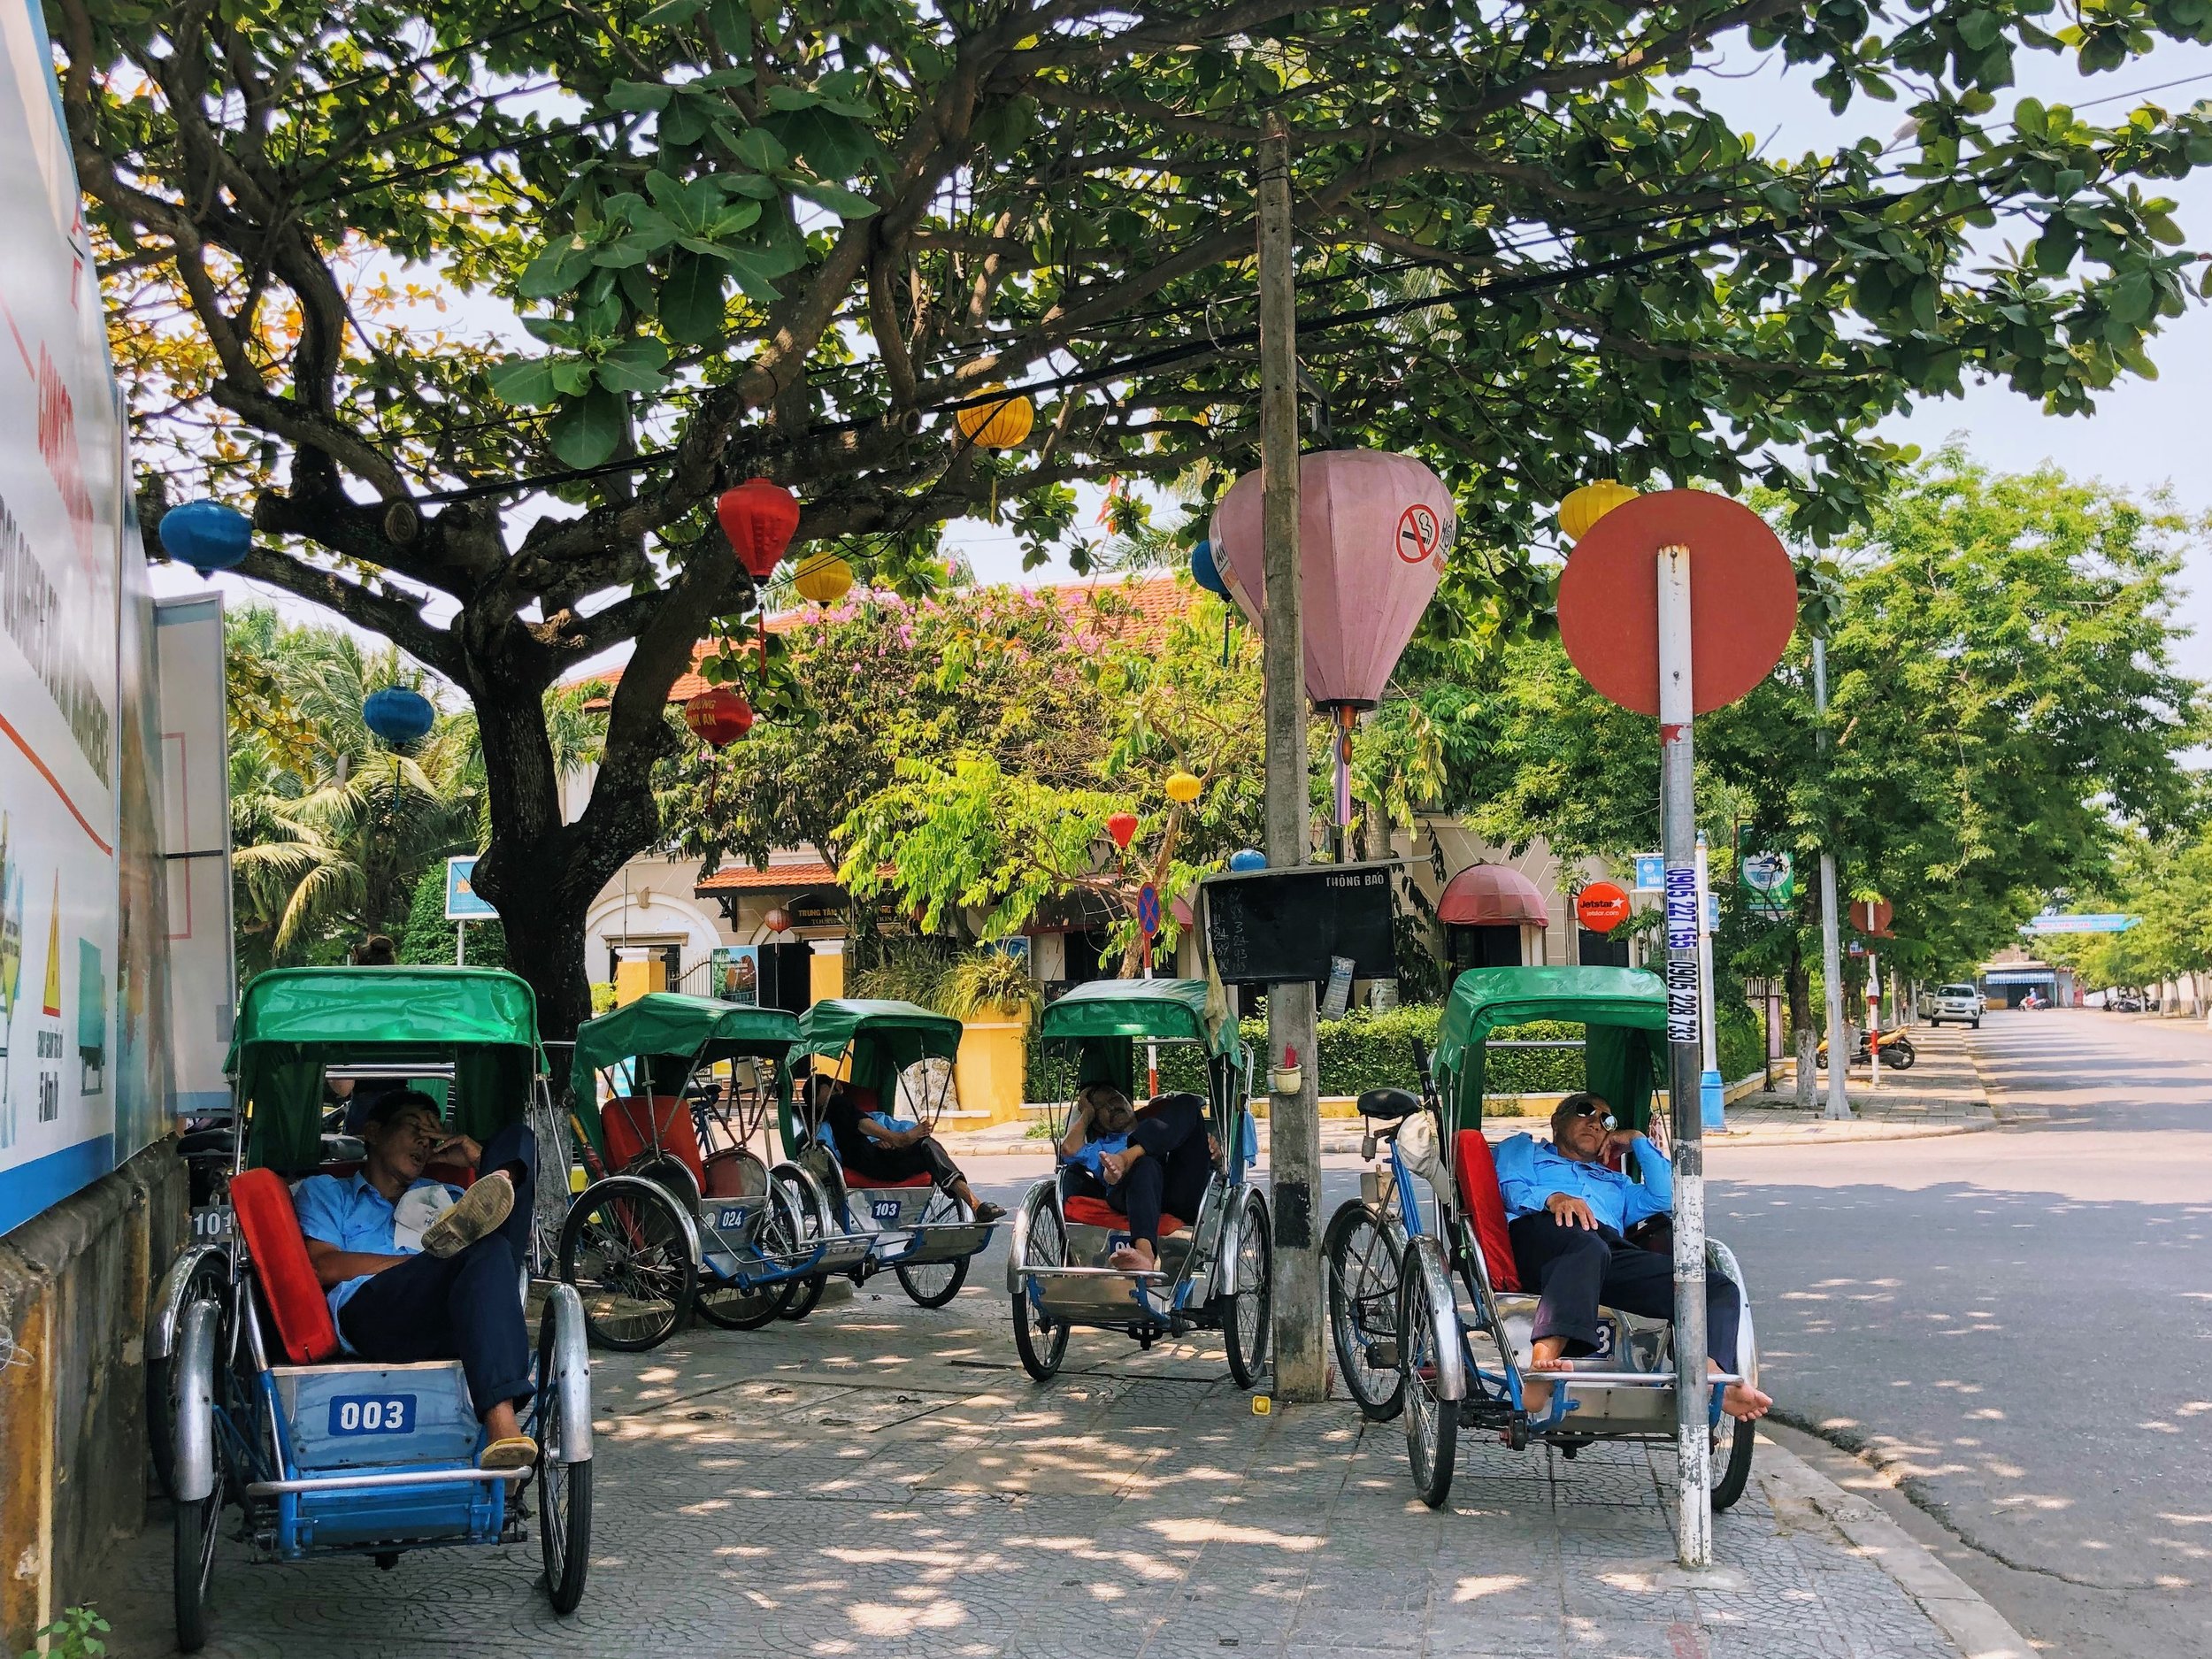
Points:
(196, 843)
(81, 991)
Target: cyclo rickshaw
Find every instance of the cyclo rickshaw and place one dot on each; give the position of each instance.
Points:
(682, 1215)
(1215, 1269)
(323, 1453)
(1406, 1338)
(925, 1236)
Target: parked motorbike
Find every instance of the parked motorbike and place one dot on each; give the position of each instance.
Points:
(1897, 1051)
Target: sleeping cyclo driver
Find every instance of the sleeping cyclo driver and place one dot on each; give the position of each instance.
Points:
(415, 1270)
(1144, 1167)
(1568, 1214)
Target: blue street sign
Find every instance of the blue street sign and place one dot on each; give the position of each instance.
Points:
(462, 902)
(1651, 873)
(2093, 922)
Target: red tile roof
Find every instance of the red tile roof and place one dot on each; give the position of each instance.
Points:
(775, 878)
(1146, 607)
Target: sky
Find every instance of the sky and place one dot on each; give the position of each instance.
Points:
(2144, 437)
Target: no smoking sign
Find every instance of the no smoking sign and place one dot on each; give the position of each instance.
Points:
(1420, 533)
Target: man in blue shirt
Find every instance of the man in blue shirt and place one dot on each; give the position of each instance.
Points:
(1569, 1213)
(416, 1269)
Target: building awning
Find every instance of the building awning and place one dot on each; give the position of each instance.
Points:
(1491, 896)
(775, 878)
(2023, 976)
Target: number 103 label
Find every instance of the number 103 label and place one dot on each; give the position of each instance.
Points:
(373, 1414)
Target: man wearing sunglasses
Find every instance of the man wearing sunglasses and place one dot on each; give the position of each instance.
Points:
(1569, 1214)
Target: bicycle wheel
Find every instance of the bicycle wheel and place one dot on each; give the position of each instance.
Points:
(933, 1284)
(1041, 1343)
(192, 1560)
(208, 1278)
(1732, 1444)
(563, 1491)
(737, 1307)
(1361, 1250)
(627, 1249)
(1432, 1421)
(811, 1205)
(1248, 1324)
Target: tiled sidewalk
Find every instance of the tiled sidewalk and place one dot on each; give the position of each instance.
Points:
(884, 1481)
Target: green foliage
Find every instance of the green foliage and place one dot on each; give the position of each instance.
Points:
(75, 1635)
(1741, 1038)
(905, 970)
(988, 984)
(430, 938)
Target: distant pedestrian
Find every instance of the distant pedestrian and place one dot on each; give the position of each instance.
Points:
(376, 951)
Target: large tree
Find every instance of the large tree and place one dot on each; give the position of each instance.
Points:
(753, 237)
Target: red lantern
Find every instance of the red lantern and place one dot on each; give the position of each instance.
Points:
(778, 921)
(1123, 827)
(718, 716)
(759, 518)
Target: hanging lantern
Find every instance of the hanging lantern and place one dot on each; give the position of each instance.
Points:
(1205, 573)
(760, 517)
(776, 921)
(998, 425)
(1585, 506)
(1123, 827)
(1181, 787)
(397, 715)
(825, 580)
(206, 536)
(1248, 859)
(718, 717)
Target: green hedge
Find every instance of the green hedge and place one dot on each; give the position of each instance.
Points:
(1742, 1039)
(1368, 1050)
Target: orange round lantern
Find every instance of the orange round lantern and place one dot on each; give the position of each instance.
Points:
(1602, 907)
(718, 717)
(778, 921)
(1123, 827)
(760, 517)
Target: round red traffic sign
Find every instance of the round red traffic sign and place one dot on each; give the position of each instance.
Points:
(1602, 907)
(1872, 919)
(1743, 598)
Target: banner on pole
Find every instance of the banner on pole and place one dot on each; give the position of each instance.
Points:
(1682, 908)
(1682, 1023)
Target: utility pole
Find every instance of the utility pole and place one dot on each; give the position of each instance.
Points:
(1293, 1119)
(1685, 1054)
(1831, 944)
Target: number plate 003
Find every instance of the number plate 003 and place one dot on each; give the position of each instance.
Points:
(373, 1414)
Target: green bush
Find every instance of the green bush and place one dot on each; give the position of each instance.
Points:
(1367, 1050)
(429, 938)
(1741, 1039)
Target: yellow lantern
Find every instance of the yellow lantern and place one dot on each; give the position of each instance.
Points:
(825, 580)
(1000, 425)
(1585, 506)
(1181, 787)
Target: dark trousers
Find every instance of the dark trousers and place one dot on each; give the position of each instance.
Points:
(1171, 1175)
(464, 1306)
(1575, 1270)
(871, 1160)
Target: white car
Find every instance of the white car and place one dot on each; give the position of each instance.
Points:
(1959, 1004)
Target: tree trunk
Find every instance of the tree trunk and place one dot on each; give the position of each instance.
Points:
(1798, 979)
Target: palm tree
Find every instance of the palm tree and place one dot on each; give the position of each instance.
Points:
(330, 826)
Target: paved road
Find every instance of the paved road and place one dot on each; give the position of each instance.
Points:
(2019, 1324)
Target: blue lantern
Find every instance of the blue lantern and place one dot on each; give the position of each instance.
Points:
(1249, 858)
(206, 536)
(1205, 573)
(398, 715)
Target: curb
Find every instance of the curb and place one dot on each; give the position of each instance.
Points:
(1977, 1630)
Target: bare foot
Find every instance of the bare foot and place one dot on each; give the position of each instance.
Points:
(1742, 1400)
(1536, 1396)
(1133, 1258)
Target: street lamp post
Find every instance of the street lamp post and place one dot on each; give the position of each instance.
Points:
(1831, 943)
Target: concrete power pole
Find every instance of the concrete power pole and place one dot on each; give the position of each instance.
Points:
(1294, 1120)
(1830, 946)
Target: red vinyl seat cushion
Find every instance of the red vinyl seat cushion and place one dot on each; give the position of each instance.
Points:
(271, 1228)
(854, 1179)
(1477, 1175)
(1086, 1211)
(635, 1124)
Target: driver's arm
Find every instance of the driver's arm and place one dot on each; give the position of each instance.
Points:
(1079, 1124)
(333, 1266)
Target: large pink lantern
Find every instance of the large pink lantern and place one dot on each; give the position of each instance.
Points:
(1374, 532)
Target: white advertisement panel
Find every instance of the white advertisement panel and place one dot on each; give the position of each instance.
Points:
(195, 841)
(63, 544)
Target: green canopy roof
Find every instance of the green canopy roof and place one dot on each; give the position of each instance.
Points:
(1624, 1011)
(1162, 1009)
(834, 1022)
(294, 1022)
(425, 1009)
(697, 1029)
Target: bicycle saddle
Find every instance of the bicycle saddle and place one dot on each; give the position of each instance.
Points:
(1388, 1105)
